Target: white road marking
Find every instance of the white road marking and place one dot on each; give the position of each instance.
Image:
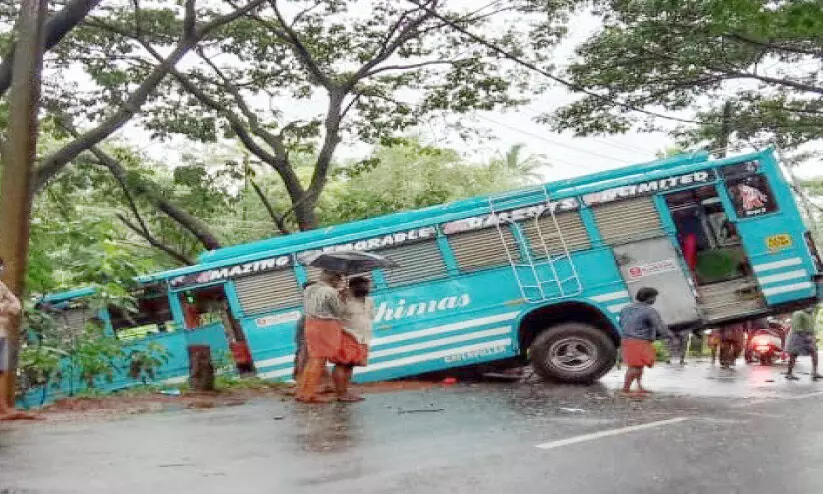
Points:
(609, 433)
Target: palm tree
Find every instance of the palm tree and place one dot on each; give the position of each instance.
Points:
(525, 167)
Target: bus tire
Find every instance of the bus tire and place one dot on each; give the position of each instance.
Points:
(573, 353)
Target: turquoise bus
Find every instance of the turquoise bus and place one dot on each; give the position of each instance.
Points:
(537, 275)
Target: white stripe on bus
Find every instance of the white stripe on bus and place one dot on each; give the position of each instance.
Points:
(277, 373)
(410, 335)
(275, 361)
(404, 361)
(789, 275)
(504, 330)
(416, 359)
(176, 380)
(806, 285)
(608, 297)
(447, 328)
(476, 335)
(771, 266)
(615, 309)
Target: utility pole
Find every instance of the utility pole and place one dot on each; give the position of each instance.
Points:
(18, 156)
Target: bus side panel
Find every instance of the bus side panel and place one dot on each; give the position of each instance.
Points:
(271, 341)
(423, 327)
(435, 325)
(482, 326)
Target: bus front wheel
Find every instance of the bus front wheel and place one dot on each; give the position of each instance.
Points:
(574, 353)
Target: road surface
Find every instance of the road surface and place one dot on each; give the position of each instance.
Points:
(704, 431)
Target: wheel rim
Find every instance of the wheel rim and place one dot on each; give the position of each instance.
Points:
(572, 354)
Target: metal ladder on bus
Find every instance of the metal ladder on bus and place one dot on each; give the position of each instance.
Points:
(546, 283)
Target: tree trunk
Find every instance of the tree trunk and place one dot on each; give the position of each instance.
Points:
(201, 370)
(304, 212)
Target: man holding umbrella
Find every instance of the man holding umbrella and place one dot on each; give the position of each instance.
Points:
(324, 312)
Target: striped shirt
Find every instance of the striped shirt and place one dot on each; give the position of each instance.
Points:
(321, 301)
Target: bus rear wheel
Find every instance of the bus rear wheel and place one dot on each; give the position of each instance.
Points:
(574, 353)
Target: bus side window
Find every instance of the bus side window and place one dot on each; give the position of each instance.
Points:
(153, 316)
(421, 261)
(751, 196)
(267, 292)
(480, 249)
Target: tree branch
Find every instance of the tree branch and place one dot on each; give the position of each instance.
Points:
(279, 221)
(388, 68)
(142, 229)
(289, 35)
(149, 191)
(770, 45)
(53, 163)
(57, 27)
(154, 242)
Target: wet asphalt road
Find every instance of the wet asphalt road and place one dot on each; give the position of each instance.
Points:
(705, 431)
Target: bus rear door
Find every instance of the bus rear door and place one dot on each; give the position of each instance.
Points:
(654, 263)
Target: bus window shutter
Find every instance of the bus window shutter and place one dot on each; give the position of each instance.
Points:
(628, 221)
(415, 262)
(570, 226)
(268, 292)
(483, 248)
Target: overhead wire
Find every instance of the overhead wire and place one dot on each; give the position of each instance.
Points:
(531, 66)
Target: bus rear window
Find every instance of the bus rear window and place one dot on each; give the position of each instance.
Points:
(751, 196)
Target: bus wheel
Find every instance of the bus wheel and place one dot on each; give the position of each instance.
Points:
(574, 353)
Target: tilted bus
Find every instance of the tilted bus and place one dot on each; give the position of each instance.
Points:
(539, 274)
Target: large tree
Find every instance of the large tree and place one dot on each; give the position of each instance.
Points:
(305, 76)
(110, 99)
(739, 70)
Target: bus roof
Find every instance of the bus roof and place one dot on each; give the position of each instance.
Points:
(355, 230)
(55, 298)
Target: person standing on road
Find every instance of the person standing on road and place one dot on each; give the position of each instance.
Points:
(677, 345)
(732, 341)
(802, 341)
(9, 308)
(641, 325)
(324, 312)
(357, 333)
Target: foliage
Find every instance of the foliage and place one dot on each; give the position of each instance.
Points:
(144, 363)
(305, 76)
(409, 175)
(747, 69)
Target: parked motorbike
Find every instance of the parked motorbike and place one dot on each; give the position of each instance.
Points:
(766, 346)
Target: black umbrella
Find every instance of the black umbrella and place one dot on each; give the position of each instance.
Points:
(350, 262)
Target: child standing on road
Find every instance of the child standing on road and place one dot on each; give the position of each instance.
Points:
(641, 325)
